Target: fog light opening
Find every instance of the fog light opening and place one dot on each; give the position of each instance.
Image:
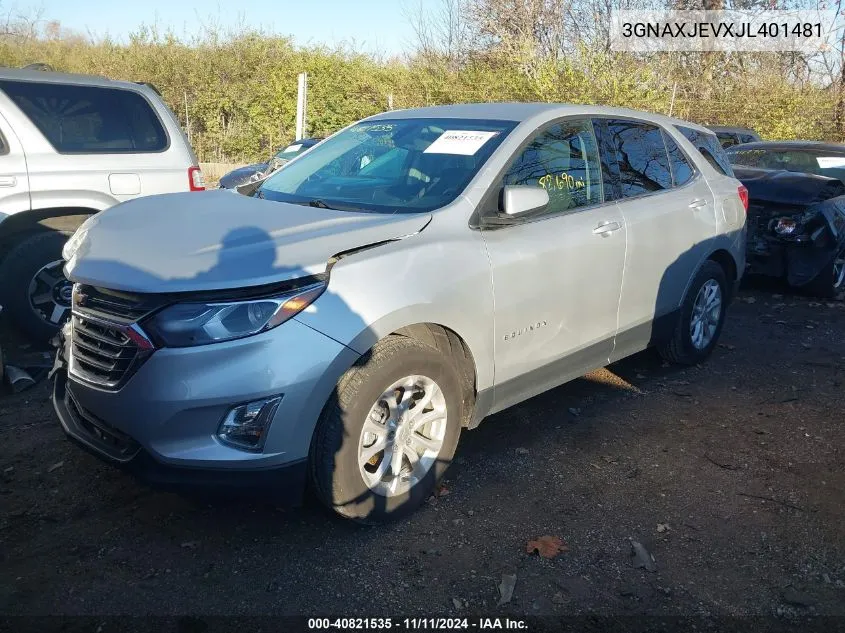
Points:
(245, 426)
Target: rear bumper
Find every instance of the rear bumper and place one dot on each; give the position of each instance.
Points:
(282, 484)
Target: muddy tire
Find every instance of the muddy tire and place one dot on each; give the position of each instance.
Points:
(20, 271)
(388, 433)
(701, 318)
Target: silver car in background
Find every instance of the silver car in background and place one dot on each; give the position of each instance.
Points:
(72, 146)
(407, 277)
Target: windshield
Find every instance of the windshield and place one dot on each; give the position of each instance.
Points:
(821, 163)
(389, 166)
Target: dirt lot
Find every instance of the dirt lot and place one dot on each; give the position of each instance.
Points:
(730, 474)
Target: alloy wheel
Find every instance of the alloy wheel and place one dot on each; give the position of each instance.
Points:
(50, 294)
(706, 313)
(402, 435)
(839, 273)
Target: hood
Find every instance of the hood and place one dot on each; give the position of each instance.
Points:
(787, 187)
(218, 240)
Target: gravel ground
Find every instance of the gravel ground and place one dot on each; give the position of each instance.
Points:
(729, 474)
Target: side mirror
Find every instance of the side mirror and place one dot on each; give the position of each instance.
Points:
(519, 199)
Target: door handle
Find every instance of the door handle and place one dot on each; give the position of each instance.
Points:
(8, 181)
(606, 228)
(697, 204)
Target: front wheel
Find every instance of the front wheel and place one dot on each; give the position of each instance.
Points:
(701, 318)
(34, 289)
(388, 432)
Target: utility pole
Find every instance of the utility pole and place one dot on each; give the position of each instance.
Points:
(301, 104)
(187, 117)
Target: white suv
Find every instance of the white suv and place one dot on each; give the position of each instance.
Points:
(71, 146)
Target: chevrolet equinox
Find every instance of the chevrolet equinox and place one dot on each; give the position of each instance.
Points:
(388, 288)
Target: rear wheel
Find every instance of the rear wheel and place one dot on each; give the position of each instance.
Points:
(388, 433)
(35, 290)
(701, 318)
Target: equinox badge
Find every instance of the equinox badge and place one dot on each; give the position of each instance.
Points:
(530, 328)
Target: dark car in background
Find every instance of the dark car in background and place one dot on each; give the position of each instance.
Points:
(730, 136)
(809, 157)
(243, 175)
(796, 213)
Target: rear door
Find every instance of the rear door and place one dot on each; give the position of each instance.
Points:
(669, 211)
(14, 181)
(556, 275)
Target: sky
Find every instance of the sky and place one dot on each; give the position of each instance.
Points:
(375, 25)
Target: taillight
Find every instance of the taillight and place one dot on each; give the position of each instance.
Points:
(743, 196)
(195, 179)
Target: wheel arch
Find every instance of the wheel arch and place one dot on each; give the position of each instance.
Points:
(453, 346)
(724, 258)
(27, 223)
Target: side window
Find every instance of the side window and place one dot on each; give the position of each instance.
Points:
(708, 146)
(682, 171)
(4, 148)
(88, 119)
(564, 160)
(642, 158)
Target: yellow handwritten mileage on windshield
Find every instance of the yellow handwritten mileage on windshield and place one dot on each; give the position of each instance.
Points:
(563, 180)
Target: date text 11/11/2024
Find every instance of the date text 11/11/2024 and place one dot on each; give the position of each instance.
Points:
(416, 624)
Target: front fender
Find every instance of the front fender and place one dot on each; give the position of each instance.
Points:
(421, 279)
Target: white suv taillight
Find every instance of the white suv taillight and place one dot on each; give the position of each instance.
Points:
(195, 180)
(743, 196)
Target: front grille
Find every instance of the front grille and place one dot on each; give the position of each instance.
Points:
(106, 346)
(102, 354)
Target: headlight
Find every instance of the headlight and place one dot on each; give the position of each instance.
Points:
(189, 324)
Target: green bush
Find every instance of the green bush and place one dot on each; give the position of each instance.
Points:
(236, 95)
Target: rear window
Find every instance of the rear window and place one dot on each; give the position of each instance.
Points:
(89, 120)
(708, 146)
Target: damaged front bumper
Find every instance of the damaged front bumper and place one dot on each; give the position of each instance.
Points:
(796, 245)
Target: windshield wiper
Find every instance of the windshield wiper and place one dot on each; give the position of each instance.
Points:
(322, 204)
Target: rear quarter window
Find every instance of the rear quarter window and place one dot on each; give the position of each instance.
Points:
(682, 171)
(88, 119)
(709, 147)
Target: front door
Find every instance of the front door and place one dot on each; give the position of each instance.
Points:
(557, 274)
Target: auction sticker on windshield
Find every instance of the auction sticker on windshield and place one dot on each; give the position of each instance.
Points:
(830, 162)
(463, 142)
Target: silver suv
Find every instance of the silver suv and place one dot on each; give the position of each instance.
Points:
(71, 146)
(389, 288)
